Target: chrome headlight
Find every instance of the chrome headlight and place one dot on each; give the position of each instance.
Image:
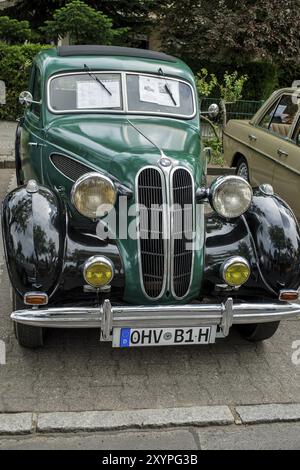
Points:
(93, 195)
(230, 196)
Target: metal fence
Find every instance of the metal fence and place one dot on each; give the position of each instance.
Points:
(241, 109)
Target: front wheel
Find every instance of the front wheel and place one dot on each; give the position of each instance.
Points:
(258, 331)
(242, 169)
(27, 336)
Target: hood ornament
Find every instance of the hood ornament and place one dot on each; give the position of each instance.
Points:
(165, 162)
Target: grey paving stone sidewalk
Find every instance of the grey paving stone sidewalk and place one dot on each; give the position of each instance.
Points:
(7, 142)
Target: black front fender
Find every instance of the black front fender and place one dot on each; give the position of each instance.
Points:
(34, 235)
(267, 236)
(276, 235)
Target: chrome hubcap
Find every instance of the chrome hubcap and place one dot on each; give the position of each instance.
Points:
(243, 171)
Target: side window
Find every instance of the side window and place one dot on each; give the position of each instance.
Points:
(296, 136)
(283, 116)
(36, 92)
(266, 120)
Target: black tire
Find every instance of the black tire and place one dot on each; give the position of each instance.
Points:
(18, 157)
(242, 169)
(27, 336)
(258, 331)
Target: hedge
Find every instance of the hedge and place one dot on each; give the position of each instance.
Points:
(288, 74)
(15, 64)
(263, 76)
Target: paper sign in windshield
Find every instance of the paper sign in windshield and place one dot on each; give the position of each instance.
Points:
(159, 91)
(92, 95)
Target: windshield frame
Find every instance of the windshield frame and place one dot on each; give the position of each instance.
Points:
(123, 74)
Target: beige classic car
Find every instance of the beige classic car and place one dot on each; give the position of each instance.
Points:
(267, 148)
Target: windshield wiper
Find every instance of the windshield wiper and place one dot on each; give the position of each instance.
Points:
(167, 88)
(94, 77)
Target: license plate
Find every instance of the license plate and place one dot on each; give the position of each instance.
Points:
(132, 337)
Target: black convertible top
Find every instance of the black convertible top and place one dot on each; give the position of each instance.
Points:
(65, 51)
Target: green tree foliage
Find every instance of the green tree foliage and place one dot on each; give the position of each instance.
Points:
(230, 88)
(15, 65)
(232, 30)
(136, 14)
(83, 24)
(13, 31)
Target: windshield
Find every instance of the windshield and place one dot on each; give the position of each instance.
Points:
(120, 92)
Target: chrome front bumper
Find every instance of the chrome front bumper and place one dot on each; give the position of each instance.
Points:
(107, 317)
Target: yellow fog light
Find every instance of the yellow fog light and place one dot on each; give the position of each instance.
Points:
(236, 271)
(98, 271)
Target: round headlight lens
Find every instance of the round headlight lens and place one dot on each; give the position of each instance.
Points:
(98, 271)
(94, 195)
(236, 271)
(231, 196)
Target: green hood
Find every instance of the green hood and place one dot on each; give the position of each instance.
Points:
(114, 144)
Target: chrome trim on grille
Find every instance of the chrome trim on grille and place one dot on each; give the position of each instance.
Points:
(162, 244)
(182, 267)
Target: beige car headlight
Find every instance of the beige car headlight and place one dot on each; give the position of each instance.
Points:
(94, 195)
(230, 196)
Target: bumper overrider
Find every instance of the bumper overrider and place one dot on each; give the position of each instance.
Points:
(107, 317)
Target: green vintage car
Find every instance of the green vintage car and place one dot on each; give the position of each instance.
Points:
(112, 225)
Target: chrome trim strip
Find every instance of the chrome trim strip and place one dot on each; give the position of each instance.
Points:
(172, 231)
(124, 109)
(131, 316)
(165, 225)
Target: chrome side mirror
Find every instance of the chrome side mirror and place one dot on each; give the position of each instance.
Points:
(26, 99)
(213, 110)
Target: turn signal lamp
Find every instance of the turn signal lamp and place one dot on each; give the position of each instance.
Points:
(35, 298)
(289, 295)
(236, 271)
(98, 271)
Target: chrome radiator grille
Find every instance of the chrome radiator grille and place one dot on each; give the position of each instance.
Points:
(151, 243)
(166, 262)
(182, 188)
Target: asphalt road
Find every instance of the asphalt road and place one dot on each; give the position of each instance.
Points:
(76, 372)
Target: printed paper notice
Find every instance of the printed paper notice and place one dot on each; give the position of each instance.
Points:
(92, 95)
(159, 91)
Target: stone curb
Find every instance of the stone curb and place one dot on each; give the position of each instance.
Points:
(268, 413)
(25, 423)
(93, 421)
(109, 420)
(16, 423)
(7, 163)
(220, 171)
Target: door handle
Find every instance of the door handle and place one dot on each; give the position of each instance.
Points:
(282, 153)
(252, 137)
(33, 144)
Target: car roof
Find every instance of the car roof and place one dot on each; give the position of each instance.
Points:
(69, 51)
(73, 58)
